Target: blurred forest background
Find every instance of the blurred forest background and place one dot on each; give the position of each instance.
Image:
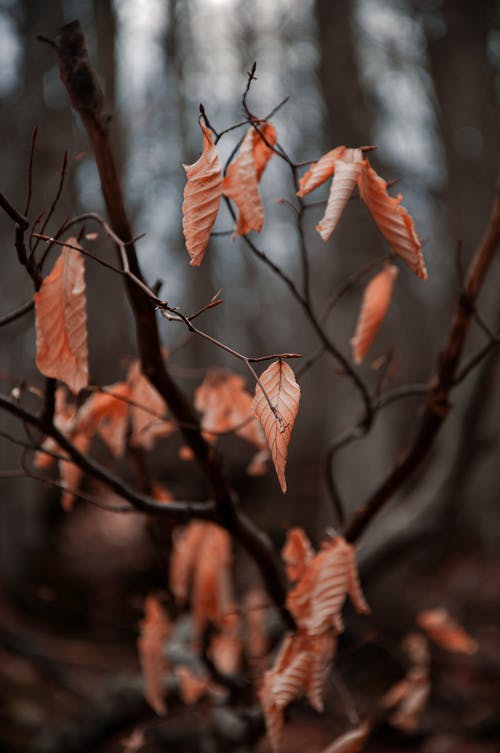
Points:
(421, 80)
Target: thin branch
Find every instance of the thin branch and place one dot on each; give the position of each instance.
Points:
(475, 360)
(30, 172)
(54, 204)
(175, 511)
(86, 97)
(350, 282)
(17, 313)
(17, 217)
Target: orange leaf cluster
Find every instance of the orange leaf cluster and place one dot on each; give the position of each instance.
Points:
(61, 321)
(202, 196)
(319, 595)
(300, 666)
(276, 405)
(155, 627)
(241, 183)
(443, 630)
(376, 300)
(323, 582)
(107, 414)
(348, 169)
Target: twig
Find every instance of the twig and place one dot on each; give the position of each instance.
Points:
(53, 206)
(17, 313)
(30, 172)
(175, 511)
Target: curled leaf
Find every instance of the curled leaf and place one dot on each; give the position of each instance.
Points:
(276, 408)
(243, 175)
(376, 300)
(392, 219)
(202, 195)
(320, 171)
(347, 171)
(61, 321)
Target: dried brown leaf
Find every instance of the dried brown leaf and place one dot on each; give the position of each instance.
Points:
(348, 168)
(202, 196)
(61, 321)
(243, 175)
(320, 171)
(392, 220)
(279, 390)
(376, 300)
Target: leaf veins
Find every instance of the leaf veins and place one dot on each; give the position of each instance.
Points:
(61, 321)
(376, 300)
(202, 195)
(243, 176)
(392, 220)
(276, 405)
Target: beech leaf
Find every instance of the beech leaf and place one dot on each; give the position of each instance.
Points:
(347, 171)
(320, 171)
(376, 300)
(202, 196)
(61, 321)
(392, 220)
(282, 392)
(244, 174)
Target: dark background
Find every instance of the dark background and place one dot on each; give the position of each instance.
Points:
(421, 80)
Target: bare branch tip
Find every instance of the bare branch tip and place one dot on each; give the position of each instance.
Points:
(46, 40)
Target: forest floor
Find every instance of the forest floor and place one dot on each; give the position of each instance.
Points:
(70, 679)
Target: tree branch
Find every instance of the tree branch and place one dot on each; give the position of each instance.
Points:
(86, 97)
(438, 406)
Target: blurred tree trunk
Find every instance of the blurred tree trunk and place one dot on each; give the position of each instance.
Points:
(469, 113)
